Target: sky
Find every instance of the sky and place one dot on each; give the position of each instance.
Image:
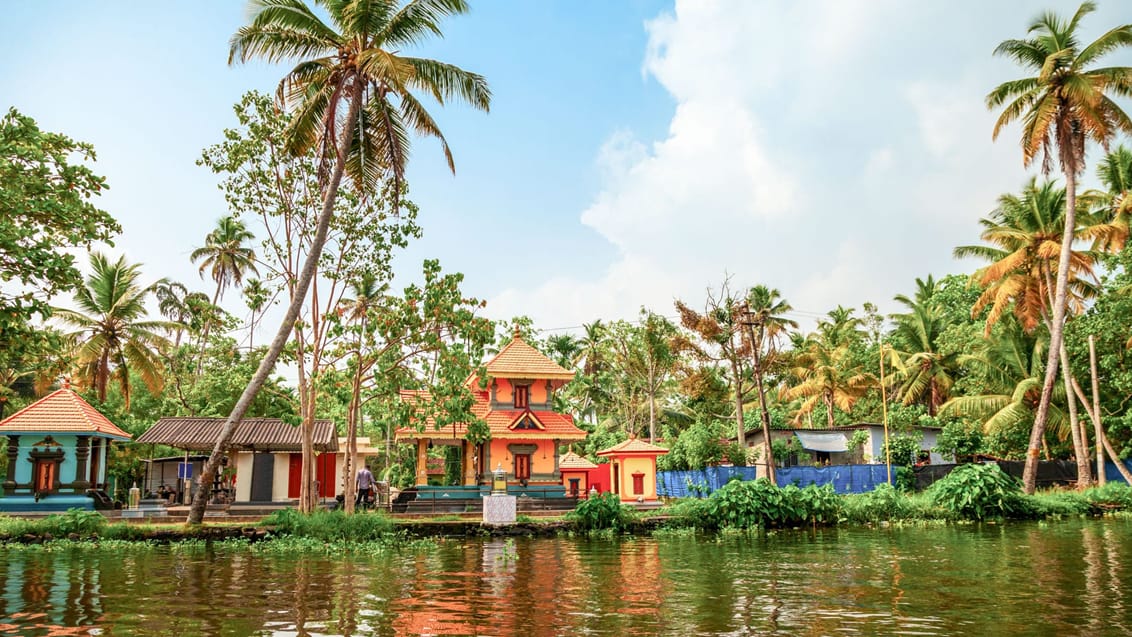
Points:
(636, 152)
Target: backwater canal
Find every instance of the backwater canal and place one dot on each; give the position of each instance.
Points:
(1054, 578)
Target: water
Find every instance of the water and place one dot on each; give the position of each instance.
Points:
(1059, 578)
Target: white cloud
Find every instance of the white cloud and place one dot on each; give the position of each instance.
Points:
(804, 152)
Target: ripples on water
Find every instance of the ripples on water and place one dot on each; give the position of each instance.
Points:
(1067, 578)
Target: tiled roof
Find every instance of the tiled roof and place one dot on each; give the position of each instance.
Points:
(571, 460)
(519, 360)
(633, 446)
(258, 434)
(62, 411)
(554, 425)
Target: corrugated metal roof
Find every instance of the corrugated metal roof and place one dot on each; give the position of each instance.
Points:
(62, 411)
(258, 434)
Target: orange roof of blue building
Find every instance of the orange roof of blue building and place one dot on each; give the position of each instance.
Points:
(62, 411)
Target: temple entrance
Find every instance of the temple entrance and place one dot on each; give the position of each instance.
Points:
(44, 475)
(522, 467)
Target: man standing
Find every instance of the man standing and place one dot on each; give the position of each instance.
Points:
(364, 483)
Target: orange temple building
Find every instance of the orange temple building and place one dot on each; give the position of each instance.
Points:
(517, 405)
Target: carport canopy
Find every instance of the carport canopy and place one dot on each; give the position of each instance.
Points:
(827, 441)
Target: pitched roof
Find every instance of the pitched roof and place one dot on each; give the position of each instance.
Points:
(633, 446)
(555, 426)
(252, 434)
(62, 411)
(519, 360)
(571, 460)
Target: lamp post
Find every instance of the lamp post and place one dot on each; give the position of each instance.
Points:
(884, 412)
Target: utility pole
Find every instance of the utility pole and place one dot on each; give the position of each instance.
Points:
(750, 323)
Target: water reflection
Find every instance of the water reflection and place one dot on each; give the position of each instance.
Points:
(1061, 578)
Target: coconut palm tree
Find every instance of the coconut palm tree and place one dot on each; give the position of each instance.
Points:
(1115, 172)
(352, 64)
(173, 305)
(824, 375)
(1010, 364)
(112, 337)
(227, 260)
(256, 295)
(1065, 105)
(925, 375)
(564, 349)
(766, 323)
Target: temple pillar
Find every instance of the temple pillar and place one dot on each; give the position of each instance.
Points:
(13, 455)
(422, 462)
(82, 452)
(469, 466)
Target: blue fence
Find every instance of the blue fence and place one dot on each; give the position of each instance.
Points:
(852, 478)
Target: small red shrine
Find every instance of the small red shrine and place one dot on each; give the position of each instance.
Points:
(517, 403)
(632, 469)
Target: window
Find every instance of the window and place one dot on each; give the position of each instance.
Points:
(522, 396)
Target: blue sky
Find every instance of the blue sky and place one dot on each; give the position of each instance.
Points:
(637, 151)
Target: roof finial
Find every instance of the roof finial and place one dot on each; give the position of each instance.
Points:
(517, 333)
(66, 382)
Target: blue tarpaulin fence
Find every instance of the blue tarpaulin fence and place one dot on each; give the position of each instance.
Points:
(851, 478)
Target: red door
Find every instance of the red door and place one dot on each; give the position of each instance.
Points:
(294, 475)
(325, 474)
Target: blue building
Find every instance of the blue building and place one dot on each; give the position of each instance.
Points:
(57, 452)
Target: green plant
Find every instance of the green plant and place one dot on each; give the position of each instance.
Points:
(603, 511)
(77, 521)
(331, 525)
(1112, 496)
(979, 492)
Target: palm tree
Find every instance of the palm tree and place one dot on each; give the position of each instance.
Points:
(1115, 172)
(1024, 233)
(925, 375)
(1010, 365)
(367, 291)
(227, 260)
(1063, 107)
(112, 338)
(172, 302)
(826, 376)
(256, 295)
(765, 309)
(355, 63)
(564, 349)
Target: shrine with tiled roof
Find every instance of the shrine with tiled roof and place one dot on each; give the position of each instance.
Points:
(57, 450)
(516, 401)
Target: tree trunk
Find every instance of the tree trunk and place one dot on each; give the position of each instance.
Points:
(737, 379)
(208, 473)
(756, 351)
(1080, 440)
(1037, 433)
(207, 329)
(1095, 415)
(827, 399)
(1098, 430)
(349, 484)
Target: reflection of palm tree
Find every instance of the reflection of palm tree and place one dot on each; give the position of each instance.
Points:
(1062, 107)
(227, 260)
(925, 375)
(112, 338)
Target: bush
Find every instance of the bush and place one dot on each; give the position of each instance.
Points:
(979, 492)
(751, 503)
(1112, 496)
(77, 521)
(330, 526)
(603, 511)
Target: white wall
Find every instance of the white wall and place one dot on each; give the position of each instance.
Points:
(243, 463)
(280, 475)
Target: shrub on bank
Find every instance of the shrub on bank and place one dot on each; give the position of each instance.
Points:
(981, 492)
(758, 503)
(885, 503)
(330, 526)
(600, 512)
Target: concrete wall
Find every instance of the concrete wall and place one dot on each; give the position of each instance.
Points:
(243, 463)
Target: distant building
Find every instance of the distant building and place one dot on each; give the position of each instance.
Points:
(831, 446)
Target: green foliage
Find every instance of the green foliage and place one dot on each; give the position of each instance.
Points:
(331, 526)
(600, 512)
(696, 447)
(758, 503)
(959, 440)
(980, 492)
(886, 503)
(45, 210)
(904, 448)
(1112, 496)
(857, 442)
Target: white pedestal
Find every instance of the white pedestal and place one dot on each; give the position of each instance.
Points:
(499, 509)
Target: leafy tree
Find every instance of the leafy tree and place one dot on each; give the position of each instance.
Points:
(46, 193)
(112, 335)
(642, 361)
(1063, 107)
